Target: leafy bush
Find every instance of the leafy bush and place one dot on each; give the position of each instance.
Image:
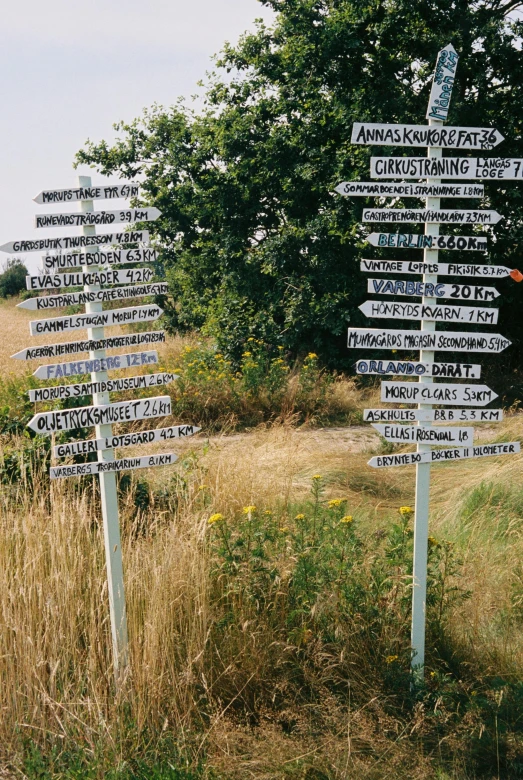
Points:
(12, 280)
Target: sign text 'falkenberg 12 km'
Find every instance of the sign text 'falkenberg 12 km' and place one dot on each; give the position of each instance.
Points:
(94, 365)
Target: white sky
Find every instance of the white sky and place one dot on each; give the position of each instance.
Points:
(70, 70)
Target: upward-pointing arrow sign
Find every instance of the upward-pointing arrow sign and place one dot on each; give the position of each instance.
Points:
(442, 84)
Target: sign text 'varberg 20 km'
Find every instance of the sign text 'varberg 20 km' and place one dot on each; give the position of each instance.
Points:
(464, 292)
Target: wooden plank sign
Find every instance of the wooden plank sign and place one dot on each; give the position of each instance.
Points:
(439, 456)
(112, 294)
(446, 216)
(418, 434)
(410, 368)
(452, 395)
(442, 269)
(85, 218)
(96, 320)
(442, 83)
(464, 292)
(431, 312)
(101, 258)
(102, 192)
(423, 241)
(374, 134)
(68, 348)
(379, 189)
(436, 341)
(126, 440)
(57, 393)
(124, 464)
(106, 414)
(498, 168)
(66, 243)
(79, 279)
(94, 365)
(433, 415)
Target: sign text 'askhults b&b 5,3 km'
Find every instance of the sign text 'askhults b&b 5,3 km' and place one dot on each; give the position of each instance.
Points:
(80, 268)
(414, 425)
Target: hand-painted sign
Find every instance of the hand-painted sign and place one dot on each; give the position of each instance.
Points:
(96, 320)
(464, 292)
(420, 393)
(102, 192)
(410, 368)
(442, 83)
(94, 365)
(68, 348)
(101, 258)
(424, 435)
(442, 269)
(439, 456)
(394, 310)
(374, 134)
(89, 416)
(421, 241)
(437, 341)
(433, 415)
(499, 168)
(66, 243)
(101, 467)
(447, 216)
(78, 279)
(378, 189)
(127, 440)
(112, 294)
(84, 218)
(56, 393)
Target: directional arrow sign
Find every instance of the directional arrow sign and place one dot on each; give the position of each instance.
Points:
(84, 218)
(438, 456)
(104, 192)
(448, 216)
(78, 279)
(89, 416)
(125, 464)
(495, 168)
(435, 341)
(430, 290)
(425, 311)
(421, 435)
(375, 189)
(421, 241)
(68, 348)
(452, 395)
(110, 363)
(433, 415)
(442, 83)
(111, 257)
(60, 392)
(127, 440)
(373, 134)
(66, 243)
(409, 368)
(442, 269)
(96, 320)
(112, 294)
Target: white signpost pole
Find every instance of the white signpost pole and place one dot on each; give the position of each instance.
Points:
(108, 491)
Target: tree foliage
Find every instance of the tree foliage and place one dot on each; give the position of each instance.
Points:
(12, 280)
(254, 240)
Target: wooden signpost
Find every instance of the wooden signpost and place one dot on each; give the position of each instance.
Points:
(99, 258)
(112, 294)
(373, 134)
(441, 456)
(90, 345)
(441, 269)
(498, 168)
(409, 368)
(378, 189)
(433, 415)
(82, 219)
(417, 434)
(448, 216)
(434, 341)
(428, 241)
(127, 440)
(66, 243)
(57, 281)
(428, 311)
(464, 292)
(96, 319)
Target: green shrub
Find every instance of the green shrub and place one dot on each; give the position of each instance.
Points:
(12, 280)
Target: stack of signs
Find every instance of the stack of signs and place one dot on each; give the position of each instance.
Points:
(89, 270)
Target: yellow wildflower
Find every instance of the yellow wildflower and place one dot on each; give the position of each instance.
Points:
(251, 338)
(316, 476)
(268, 513)
(347, 519)
(334, 502)
(248, 510)
(312, 356)
(300, 517)
(247, 354)
(390, 659)
(283, 529)
(406, 510)
(202, 487)
(432, 541)
(217, 518)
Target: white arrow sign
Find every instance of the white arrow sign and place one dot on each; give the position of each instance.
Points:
(60, 392)
(102, 296)
(452, 395)
(433, 415)
(127, 440)
(66, 243)
(124, 464)
(85, 218)
(93, 365)
(435, 341)
(422, 241)
(101, 258)
(409, 368)
(103, 192)
(430, 290)
(495, 168)
(424, 311)
(374, 134)
(89, 416)
(421, 435)
(68, 348)
(442, 83)
(96, 320)
(447, 216)
(442, 269)
(78, 279)
(374, 189)
(438, 456)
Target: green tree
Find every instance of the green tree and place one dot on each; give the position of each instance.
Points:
(12, 280)
(255, 242)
